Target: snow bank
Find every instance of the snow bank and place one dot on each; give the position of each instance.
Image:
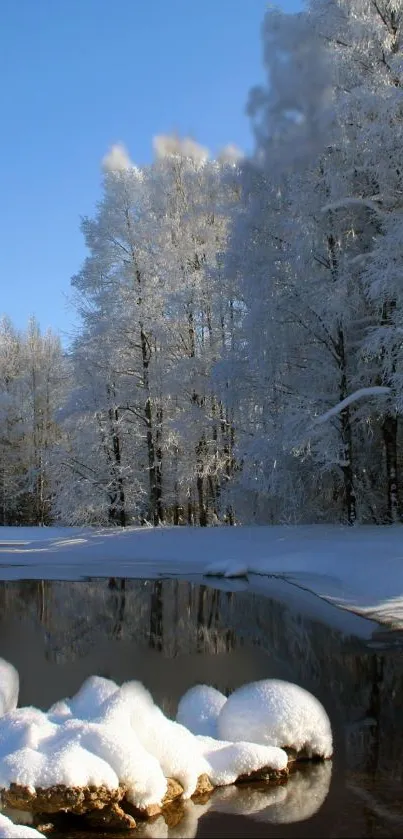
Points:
(359, 569)
(276, 713)
(199, 708)
(9, 830)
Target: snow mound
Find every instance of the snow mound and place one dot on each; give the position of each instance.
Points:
(99, 749)
(226, 568)
(199, 708)
(9, 830)
(276, 713)
(91, 696)
(9, 687)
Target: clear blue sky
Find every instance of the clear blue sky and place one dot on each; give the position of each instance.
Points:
(79, 75)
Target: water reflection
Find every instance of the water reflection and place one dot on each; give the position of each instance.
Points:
(297, 801)
(171, 634)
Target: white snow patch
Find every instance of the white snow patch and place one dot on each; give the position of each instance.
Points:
(277, 713)
(9, 686)
(227, 760)
(9, 830)
(227, 568)
(97, 747)
(199, 708)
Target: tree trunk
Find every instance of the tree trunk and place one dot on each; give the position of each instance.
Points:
(347, 468)
(347, 439)
(389, 432)
(200, 452)
(345, 416)
(202, 506)
(158, 467)
(190, 509)
(117, 510)
(155, 505)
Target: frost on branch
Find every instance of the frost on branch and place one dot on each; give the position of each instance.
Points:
(349, 400)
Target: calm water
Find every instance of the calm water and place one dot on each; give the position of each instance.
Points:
(171, 634)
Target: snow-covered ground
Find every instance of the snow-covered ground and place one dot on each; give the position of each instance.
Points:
(359, 569)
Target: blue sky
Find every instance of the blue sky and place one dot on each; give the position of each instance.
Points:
(79, 75)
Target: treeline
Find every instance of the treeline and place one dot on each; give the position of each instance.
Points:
(226, 307)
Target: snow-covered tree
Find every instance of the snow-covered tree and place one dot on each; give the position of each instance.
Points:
(156, 315)
(319, 195)
(32, 382)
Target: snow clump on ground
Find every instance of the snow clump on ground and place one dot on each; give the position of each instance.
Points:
(277, 713)
(9, 830)
(270, 712)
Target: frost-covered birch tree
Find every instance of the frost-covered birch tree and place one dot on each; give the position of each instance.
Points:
(156, 317)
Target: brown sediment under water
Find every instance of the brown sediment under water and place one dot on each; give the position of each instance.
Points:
(172, 634)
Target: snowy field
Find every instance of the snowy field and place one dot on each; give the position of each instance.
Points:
(358, 569)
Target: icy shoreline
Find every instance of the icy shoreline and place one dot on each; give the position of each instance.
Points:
(357, 569)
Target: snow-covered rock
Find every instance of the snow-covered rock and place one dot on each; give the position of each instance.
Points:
(9, 686)
(227, 761)
(97, 749)
(199, 708)
(116, 741)
(276, 713)
(9, 830)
